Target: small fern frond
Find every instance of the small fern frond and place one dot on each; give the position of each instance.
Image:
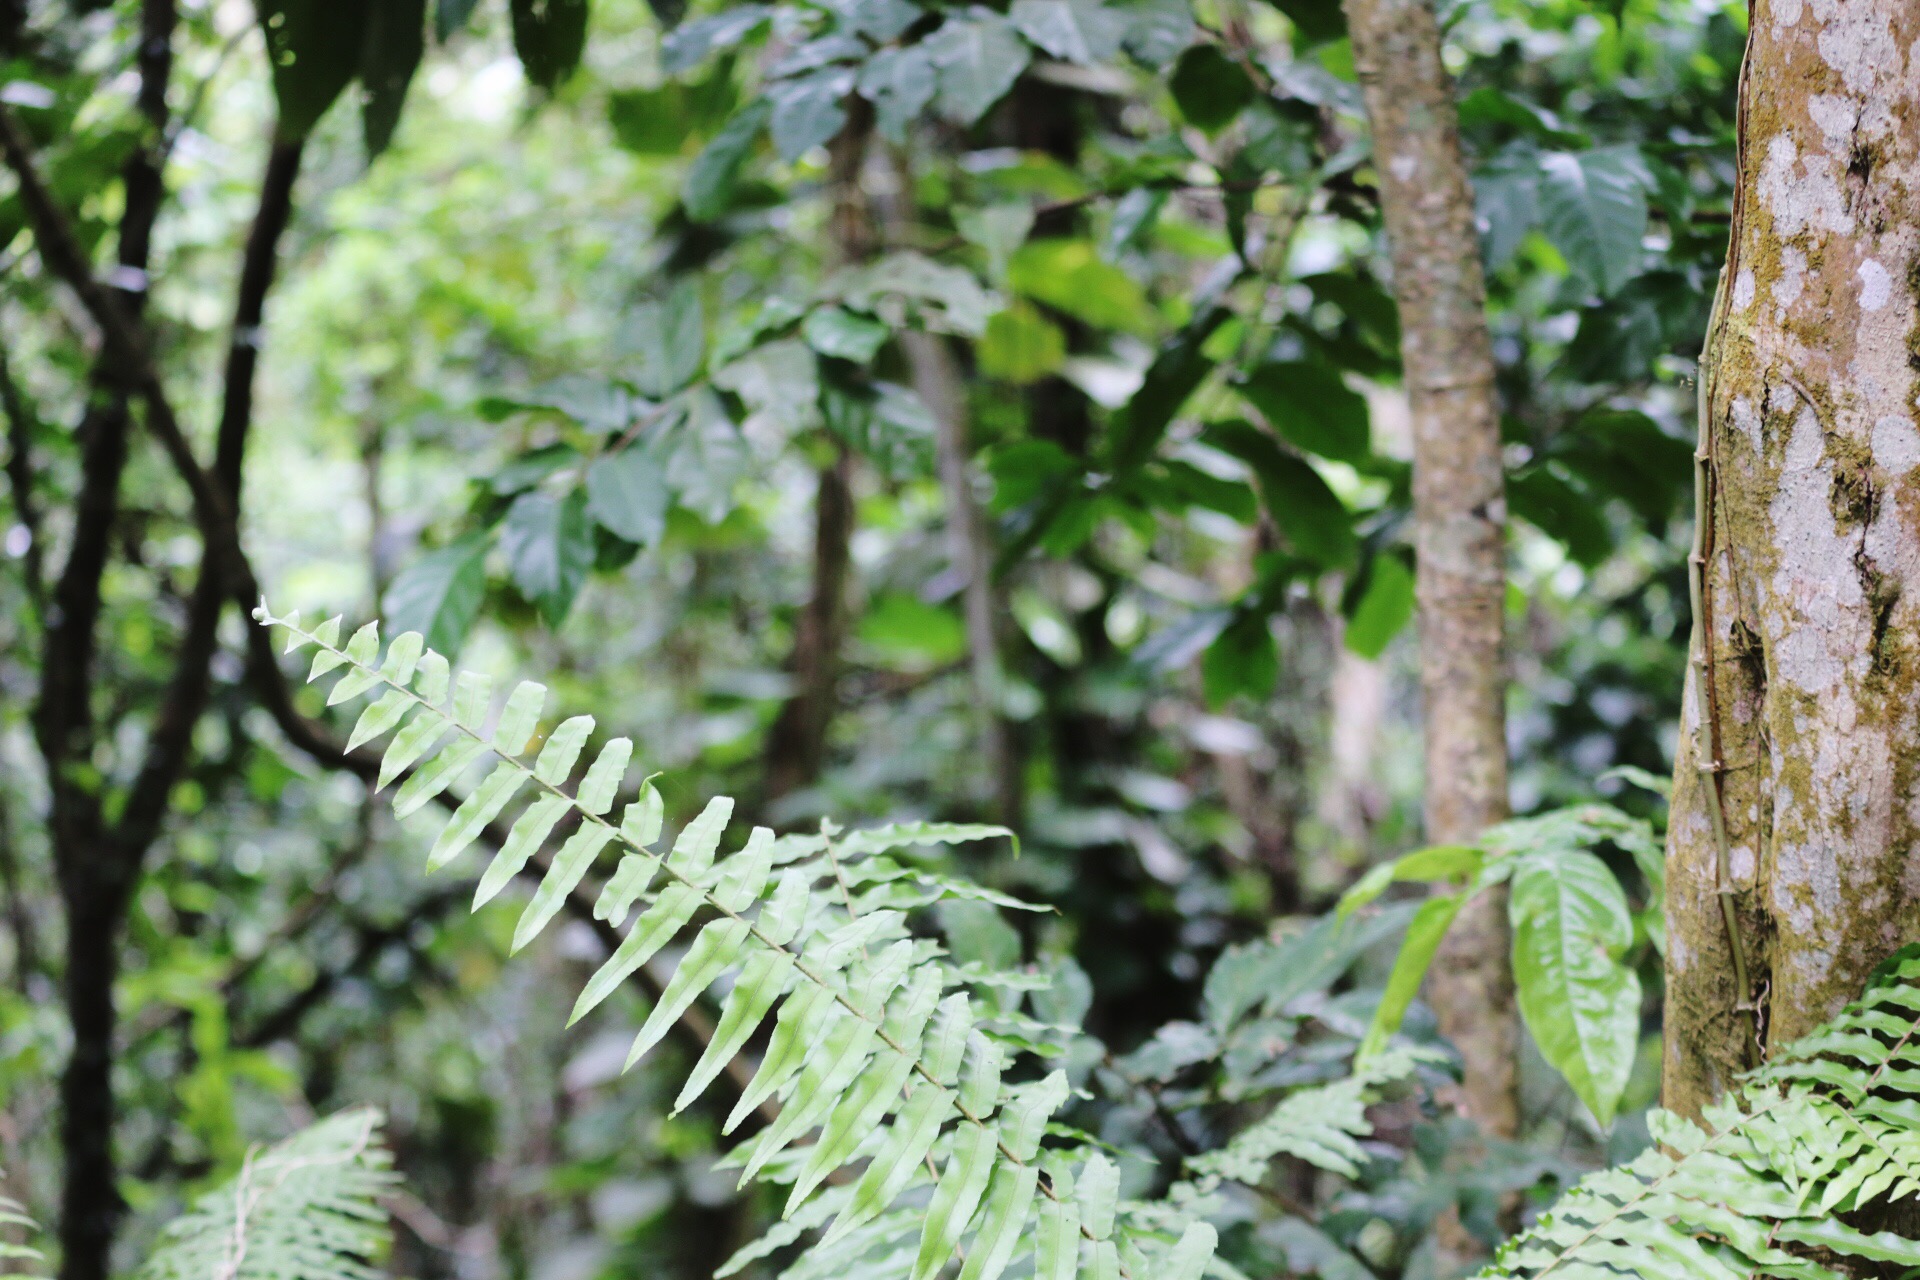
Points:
(877, 1049)
(1828, 1128)
(305, 1209)
(14, 1214)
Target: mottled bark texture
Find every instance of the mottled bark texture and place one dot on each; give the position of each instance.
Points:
(1459, 511)
(1812, 572)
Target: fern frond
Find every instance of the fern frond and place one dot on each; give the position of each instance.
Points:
(306, 1209)
(875, 1049)
(14, 1214)
(1824, 1129)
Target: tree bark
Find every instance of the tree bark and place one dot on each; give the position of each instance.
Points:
(797, 743)
(1459, 512)
(1800, 722)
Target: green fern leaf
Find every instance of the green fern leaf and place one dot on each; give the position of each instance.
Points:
(306, 1209)
(529, 832)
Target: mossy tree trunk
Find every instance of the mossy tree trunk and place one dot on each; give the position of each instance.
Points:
(1459, 512)
(1801, 721)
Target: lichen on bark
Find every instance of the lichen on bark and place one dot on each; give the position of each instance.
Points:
(1815, 582)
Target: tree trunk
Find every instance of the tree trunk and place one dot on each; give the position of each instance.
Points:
(1800, 725)
(797, 743)
(1459, 512)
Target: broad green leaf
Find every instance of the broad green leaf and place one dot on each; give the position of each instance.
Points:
(1106, 1262)
(907, 835)
(314, 47)
(899, 82)
(1070, 276)
(569, 867)
(549, 36)
(714, 949)
(562, 750)
(764, 980)
(1002, 1222)
(394, 40)
(627, 493)
(842, 334)
(686, 47)
(980, 1075)
(852, 1119)
(978, 56)
(1383, 608)
(664, 342)
(1571, 926)
(1312, 407)
(1424, 934)
(439, 594)
(1099, 1195)
(475, 812)
(808, 110)
(1594, 207)
(434, 677)
(528, 834)
(1209, 87)
(656, 927)
(1310, 514)
(710, 180)
(975, 1152)
(1457, 863)
(549, 546)
(1083, 31)
(1021, 345)
(361, 652)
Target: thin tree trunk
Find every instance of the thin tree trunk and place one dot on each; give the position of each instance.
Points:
(797, 743)
(938, 382)
(1796, 814)
(1459, 511)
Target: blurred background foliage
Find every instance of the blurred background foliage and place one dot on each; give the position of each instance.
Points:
(555, 362)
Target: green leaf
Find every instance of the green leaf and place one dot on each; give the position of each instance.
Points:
(439, 773)
(1070, 276)
(597, 789)
(1311, 515)
(1083, 31)
(1571, 927)
(1002, 1222)
(396, 38)
(1594, 206)
(1241, 659)
(519, 718)
(1209, 87)
(1188, 1258)
(529, 832)
(450, 17)
(1178, 369)
(1310, 405)
(315, 48)
(763, 980)
(549, 36)
(1562, 512)
(1424, 934)
(439, 594)
(1021, 345)
(845, 335)
(1057, 1246)
(1456, 863)
(1383, 609)
(562, 750)
(808, 111)
(663, 342)
(1099, 1194)
(1314, 21)
(710, 179)
(549, 547)
(977, 58)
(714, 949)
(686, 47)
(899, 82)
(956, 1197)
(482, 806)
